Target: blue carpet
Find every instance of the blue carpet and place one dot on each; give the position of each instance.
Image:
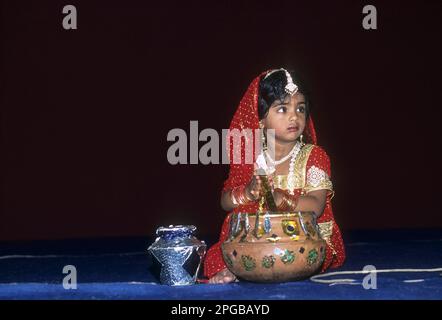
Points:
(119, 269)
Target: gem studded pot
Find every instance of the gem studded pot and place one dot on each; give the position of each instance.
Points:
(275, 247)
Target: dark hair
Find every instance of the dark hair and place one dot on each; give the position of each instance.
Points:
(272, 88)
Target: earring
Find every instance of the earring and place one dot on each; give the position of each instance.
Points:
(263, 140)
(300, 138)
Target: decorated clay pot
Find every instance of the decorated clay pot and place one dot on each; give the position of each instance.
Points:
(275, 247)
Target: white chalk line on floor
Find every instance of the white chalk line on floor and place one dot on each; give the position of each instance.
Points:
(317, 278)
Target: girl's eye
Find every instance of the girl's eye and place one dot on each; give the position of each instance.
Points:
(301, 109)
(281, 109)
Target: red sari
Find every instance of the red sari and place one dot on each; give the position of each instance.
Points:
(313, 173)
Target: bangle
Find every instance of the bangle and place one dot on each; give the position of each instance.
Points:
(239, 196)
(232, 197)
(289, 202)
(246, 195)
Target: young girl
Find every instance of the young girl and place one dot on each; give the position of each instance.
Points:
(301, 178)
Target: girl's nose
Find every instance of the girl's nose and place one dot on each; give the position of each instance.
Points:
(293, 116)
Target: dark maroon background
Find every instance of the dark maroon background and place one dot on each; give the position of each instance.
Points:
(85, 113)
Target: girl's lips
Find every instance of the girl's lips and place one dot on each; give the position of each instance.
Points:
(293, 129)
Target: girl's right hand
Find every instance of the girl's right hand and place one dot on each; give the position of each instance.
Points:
(253, 189)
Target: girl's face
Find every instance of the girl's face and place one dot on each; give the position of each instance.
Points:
(287, 118)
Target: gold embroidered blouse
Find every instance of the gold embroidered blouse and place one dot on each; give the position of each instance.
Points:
(311, 179)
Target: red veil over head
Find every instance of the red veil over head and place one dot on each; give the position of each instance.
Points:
(246, 117)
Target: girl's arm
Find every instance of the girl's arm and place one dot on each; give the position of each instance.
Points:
(252, 192)
(226, 201)
(312, 201)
